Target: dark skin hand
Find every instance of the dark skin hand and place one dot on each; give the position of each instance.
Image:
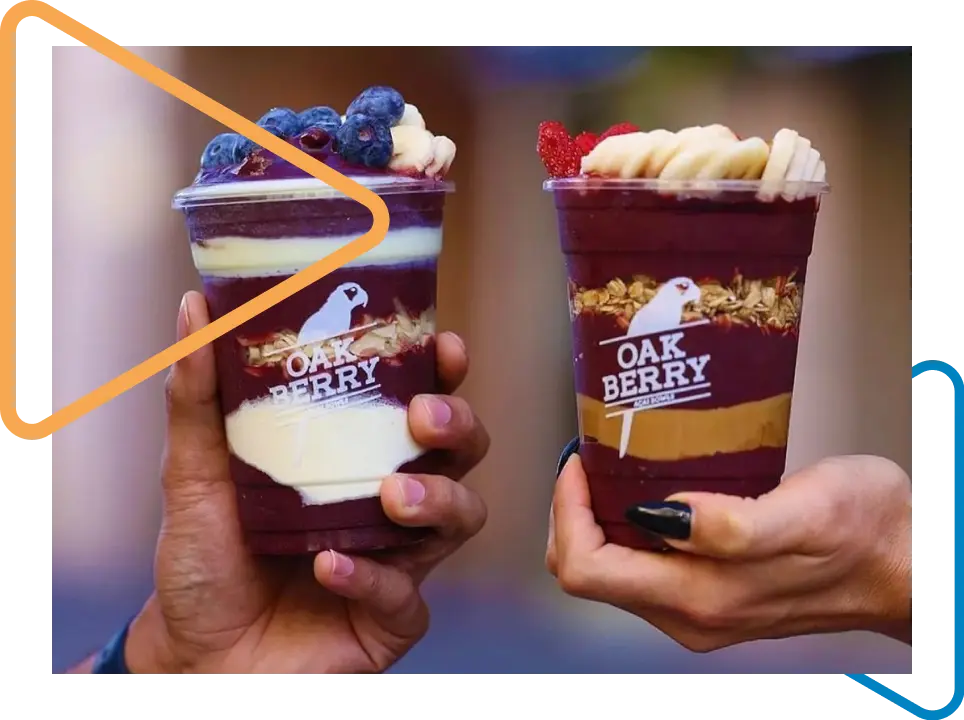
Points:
(217, 608)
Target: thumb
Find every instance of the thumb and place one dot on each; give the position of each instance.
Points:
(196, 451)
(725, 526)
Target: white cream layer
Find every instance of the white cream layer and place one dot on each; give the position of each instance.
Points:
(328, 455)
(253, 257)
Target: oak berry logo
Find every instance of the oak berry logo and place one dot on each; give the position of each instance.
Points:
(655, 369)
(322, 367)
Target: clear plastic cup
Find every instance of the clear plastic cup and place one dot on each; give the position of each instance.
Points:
(315, 390)
(685, 300)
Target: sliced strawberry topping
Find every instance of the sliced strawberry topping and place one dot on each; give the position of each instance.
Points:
(586, 142)
(559, 152)
(619, 129)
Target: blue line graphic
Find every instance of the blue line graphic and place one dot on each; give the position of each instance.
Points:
(958, 697)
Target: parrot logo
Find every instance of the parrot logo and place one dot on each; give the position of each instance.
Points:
(665, 310)
(334, 317)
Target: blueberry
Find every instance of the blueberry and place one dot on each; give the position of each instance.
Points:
(321, 117)
(246, 147)
(225, 149)
(365, 141)
(382, 103)
(282, 122)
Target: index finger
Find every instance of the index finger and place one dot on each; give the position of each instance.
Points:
(453, 361)
(590, 568)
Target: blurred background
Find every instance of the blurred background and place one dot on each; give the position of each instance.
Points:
(121, 263)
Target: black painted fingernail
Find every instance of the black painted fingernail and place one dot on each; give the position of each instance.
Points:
(571, 449)
(669, 519)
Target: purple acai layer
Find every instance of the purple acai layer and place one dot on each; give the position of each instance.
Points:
(320, 217)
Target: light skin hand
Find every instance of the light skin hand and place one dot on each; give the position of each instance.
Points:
(827, 551)
(217, 608)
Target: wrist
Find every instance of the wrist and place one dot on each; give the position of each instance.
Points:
(147, 649)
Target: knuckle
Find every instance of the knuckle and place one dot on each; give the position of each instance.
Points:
(708, 612)
(478, 514)
(893, 478)
(440, 494)
(370, 584)
(699, 643)
(485, 441)
(574, 578)
(403, 598)
(735, 537)
(170, 392)
(827, 520)
(421, 623)
(453, 506)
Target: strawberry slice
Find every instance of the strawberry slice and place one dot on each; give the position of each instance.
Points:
(558, 151)
(619, 129)
(586, 141)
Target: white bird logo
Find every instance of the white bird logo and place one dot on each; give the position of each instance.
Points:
(665, 310)
(334, 317)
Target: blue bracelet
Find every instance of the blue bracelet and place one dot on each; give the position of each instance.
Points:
(110, 660)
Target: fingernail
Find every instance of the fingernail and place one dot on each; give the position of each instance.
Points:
(669, 519)
(341, 565)
(183, 320)
(439, 411)
(571, 449)
(413, 492)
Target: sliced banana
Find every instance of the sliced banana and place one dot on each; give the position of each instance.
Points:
(444, 153)
(820, 174)
(801, 154)
(782, 150)
(813, 159)
(807, 176)
(666, 146)
(700, 132)
(648, 154)
(708, 153)
(412, 116)
(720, 131)
(756, 155)
(694, 142)
(736, 161)
(413, 148)
(689, 161)
(689, 133)
(781, 154)
(608, 157)
(634, 162)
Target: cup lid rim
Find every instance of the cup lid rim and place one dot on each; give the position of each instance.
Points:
(798, 187)
(288, 189)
